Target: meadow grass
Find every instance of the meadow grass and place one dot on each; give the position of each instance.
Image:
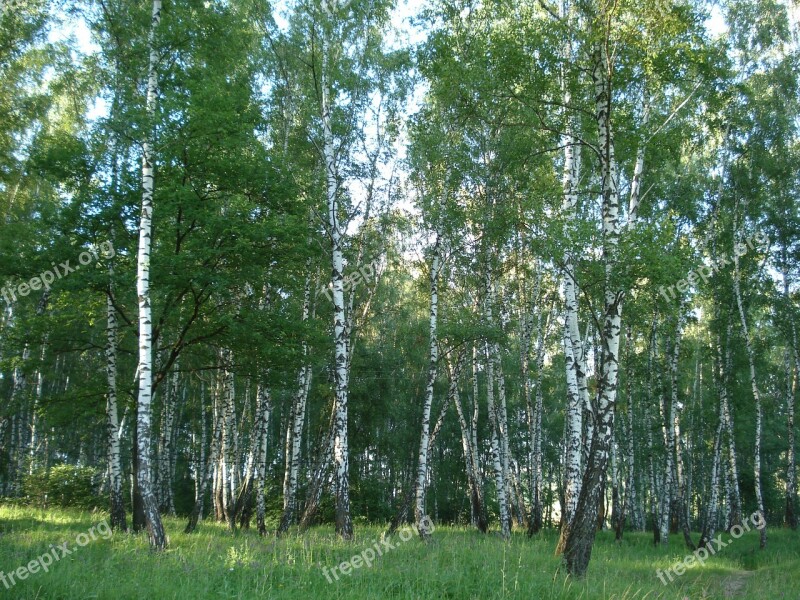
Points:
(458, 563)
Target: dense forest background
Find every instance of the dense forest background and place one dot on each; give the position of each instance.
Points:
(523, 263)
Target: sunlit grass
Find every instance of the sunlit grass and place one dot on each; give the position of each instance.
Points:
(458, 563)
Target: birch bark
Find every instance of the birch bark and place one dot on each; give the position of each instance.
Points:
(155, 529)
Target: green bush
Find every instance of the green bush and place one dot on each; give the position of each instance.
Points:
(64, 486)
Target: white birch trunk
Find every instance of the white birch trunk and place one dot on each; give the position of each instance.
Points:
(577, 391)
(756, 393)
(580, 532)
(263, 415)
(294, 433)
(497, 459)
(791, 464)
(117, 512)
(158, 540)
(344, 523)
(422, 457)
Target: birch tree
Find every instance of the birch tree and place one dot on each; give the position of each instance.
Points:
(155, 528)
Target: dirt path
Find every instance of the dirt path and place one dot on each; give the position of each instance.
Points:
(733, 585)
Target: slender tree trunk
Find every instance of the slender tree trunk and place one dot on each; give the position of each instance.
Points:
(791, 382)
(632, 505)
(263, 414)
(229, 457)
(318, 472)
(166, 448)
(117, 512)
(577, 391)
(732, 473)
(158, 539)
(207, 473)
(535, 523)
(497, 460)
(579, 533)
(668, 496)
(344, 523)
(710, 521)
(474, 477)
(756, 392)
(294, 436)
(616, 509)
(497, 411)
(422, 459)
(791, 466)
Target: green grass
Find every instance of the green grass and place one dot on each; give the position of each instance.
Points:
(459, 563)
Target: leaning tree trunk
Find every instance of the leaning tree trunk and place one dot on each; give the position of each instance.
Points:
(155, 529)
(710, 520)
(474, 477)
(756, 395)
(319, 470)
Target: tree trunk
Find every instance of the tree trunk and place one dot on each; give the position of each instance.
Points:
(344, 523)
(791, 486)
(474, 476)
(294, 431)
(535, 523)
(756, 392)
(579, 533)
(117, 511)
(710, 521)
(229, 457)
(575, 364)
(166, 449)
(207, 473)
(422, 458)
(158, 539)
(668, 494)
(791, 381)
(263, 414)
(497, 459)
(732, 473)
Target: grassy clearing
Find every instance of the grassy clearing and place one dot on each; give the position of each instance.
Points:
(458, 564)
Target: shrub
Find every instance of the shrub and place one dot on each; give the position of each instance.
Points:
(64, 486)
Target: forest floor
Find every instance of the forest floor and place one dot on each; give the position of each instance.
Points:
(458, 563)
